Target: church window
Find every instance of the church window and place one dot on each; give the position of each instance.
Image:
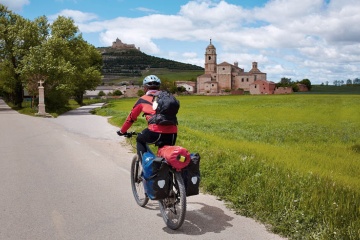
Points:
(209, 57)
(242, 80)
(247, 79)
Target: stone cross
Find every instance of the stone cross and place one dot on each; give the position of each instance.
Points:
(41, 106)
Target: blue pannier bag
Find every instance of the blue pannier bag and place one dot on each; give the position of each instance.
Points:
(156, 176)
(191, 175)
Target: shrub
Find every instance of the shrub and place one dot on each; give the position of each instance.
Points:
(101, 93)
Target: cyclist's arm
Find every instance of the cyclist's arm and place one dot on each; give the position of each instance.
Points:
(131, 118)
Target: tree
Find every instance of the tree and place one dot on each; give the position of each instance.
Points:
(67, 64)
(117, 92)
(284, 82)
(140, 92)
(307, 83)
(167, 85)
(101, 93)
(17, 35)
(88, 62)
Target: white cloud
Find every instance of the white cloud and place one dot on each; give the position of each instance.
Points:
(15, 5)
(147, 10)
(189, 54)
(78, 16)
(316, 39)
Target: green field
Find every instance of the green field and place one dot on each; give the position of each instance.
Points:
(290, 161)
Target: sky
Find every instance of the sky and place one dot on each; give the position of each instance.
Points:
(317, 40)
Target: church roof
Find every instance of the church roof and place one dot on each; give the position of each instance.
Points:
(255, 71)
(225, 64)
(211, 45)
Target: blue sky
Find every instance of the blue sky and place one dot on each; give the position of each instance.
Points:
(314, 39)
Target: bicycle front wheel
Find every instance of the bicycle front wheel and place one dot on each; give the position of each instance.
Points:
(173, 208)
(137, 184)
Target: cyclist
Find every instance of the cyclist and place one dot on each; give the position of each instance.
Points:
(159, 135)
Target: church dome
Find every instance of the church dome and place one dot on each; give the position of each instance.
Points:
(211, 46)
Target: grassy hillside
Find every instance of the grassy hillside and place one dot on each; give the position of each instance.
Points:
(133, 65)
(291, 161)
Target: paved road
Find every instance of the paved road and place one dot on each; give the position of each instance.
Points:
(68, 178)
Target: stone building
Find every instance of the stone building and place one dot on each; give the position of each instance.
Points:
(118, 44)
(188, 85)
(262, 87)
(225, 77)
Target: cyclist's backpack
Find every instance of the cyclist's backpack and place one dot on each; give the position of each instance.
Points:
(166, 106)
(156, 177)
(191, 175)
(176, 156)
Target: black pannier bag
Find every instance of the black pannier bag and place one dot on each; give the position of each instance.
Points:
(191, 175)
(156, 177)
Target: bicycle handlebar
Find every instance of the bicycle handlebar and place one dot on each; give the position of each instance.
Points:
(130, 134)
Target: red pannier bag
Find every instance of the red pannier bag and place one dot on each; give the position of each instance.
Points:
(176, 156)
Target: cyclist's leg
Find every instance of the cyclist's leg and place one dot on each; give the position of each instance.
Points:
(167, 139)
(143, 138)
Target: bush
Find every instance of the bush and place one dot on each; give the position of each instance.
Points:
(117, 93)
(101, 93)
(140, 93)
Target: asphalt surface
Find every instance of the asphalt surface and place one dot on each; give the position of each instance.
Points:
(69, 178)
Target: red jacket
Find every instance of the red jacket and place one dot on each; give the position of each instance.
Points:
(144, 104)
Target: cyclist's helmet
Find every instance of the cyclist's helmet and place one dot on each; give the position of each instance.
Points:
(152, 82)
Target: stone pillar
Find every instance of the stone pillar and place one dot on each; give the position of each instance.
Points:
(41, 106)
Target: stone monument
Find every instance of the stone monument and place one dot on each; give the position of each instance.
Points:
(41, 106)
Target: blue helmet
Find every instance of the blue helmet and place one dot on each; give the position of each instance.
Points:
(152, 82)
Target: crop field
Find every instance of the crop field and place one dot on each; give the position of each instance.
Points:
(289, 161)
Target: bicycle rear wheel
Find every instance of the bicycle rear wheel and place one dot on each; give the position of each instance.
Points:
(173, 208)
(137, 184)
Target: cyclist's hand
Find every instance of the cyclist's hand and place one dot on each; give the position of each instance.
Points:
(120, 133)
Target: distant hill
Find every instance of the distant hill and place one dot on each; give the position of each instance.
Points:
(124, 64)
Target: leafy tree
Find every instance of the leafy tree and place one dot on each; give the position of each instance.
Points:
(117, 92)
(295, 87)
(17, 36)
(101, 93)
(284, 82)
(181, 89)
(66, 63)
(140, 92)
(307, 83)
(356, 81)
(348, 82)
(88, 62)
(167, 85)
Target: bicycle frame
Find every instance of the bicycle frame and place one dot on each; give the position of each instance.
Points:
(172, 207)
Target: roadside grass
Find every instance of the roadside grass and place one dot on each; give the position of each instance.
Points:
(27, 109)
(290, 161)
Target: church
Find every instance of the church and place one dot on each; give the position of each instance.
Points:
(226, 77)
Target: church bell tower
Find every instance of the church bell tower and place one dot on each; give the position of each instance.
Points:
(210, 59)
